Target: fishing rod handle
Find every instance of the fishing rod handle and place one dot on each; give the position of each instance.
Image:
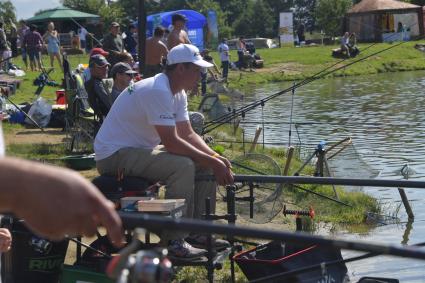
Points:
(310, 213)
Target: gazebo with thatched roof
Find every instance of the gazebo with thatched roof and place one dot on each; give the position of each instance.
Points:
(385, 20)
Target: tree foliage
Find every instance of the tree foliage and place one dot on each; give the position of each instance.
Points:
(234, 17)
(330, 15)
(304, 13)
(108, 13)
(279, 6)
(257, 19)
(7, 11)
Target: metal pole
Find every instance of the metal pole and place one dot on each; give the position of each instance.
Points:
(25, 114)
(290, 117)
(141, 35)
(153, 222)
(321, 181)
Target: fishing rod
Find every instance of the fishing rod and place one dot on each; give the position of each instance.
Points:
(321, 265)
(306, 123)
(290, 116)
(297, 187)
(241, 111)
(89, 247)
(91, 35)
(227, 117)
(157, 223)
(395, 184)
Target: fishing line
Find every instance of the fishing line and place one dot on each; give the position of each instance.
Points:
(323, 196)
(89, 247)
(290, 116)
(225, 118)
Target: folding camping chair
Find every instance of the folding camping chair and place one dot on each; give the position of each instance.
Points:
(81, 124)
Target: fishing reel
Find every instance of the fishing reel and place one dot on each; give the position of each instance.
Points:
(144, 266)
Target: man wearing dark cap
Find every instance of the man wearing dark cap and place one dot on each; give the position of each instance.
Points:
(122, 74)
(113, 43)
(178, 34)
(99, 98)
(155, 111)
(94, 51)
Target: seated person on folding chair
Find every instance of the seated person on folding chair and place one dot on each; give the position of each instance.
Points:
(99, 98)
(345, 44)
(122, 74)
(154, 111)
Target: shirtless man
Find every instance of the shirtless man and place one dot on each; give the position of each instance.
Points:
(155, 52)
(178, 34)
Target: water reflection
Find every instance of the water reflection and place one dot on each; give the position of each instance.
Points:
(384, 116)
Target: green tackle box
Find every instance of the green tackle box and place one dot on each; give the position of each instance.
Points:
(72, 274)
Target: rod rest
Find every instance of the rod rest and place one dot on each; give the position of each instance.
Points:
(116, 188)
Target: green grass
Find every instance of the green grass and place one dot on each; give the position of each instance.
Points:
(26, 92)
(401, 58)
(296, 63)
(41, 151)
(314, 58)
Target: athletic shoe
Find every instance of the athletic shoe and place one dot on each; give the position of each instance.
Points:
(182, 249)
(201, 241)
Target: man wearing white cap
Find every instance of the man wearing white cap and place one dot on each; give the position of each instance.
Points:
(154, 111)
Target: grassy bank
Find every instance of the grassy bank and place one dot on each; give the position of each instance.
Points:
(280, 64)
(295, 63)
(48, 146)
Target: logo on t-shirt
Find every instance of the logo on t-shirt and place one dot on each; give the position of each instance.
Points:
(167, 117)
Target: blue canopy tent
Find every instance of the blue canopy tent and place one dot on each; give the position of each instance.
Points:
(195, 24)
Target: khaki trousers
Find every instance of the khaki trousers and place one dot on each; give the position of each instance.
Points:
(177, 172)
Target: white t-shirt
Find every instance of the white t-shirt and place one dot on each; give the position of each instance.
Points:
(82, 33)
(223, 49)
(133, 116)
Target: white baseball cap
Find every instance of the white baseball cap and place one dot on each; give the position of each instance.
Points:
(186, 53)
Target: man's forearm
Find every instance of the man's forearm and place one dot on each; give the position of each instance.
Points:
(200, 155)
(196, 141)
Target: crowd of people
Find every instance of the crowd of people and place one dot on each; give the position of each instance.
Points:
(145, 132)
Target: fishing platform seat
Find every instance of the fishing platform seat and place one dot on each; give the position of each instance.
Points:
(114, 188)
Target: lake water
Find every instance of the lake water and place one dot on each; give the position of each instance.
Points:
(384, 114)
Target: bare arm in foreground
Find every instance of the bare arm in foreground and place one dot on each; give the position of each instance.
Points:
(55, 202)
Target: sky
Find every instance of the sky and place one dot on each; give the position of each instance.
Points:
(27, 8)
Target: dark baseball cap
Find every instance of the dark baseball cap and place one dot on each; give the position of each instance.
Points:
(122, 68)
(115, 24)
(99, 60)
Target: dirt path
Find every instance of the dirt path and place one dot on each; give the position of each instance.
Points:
(35, 136)
(290, 68)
